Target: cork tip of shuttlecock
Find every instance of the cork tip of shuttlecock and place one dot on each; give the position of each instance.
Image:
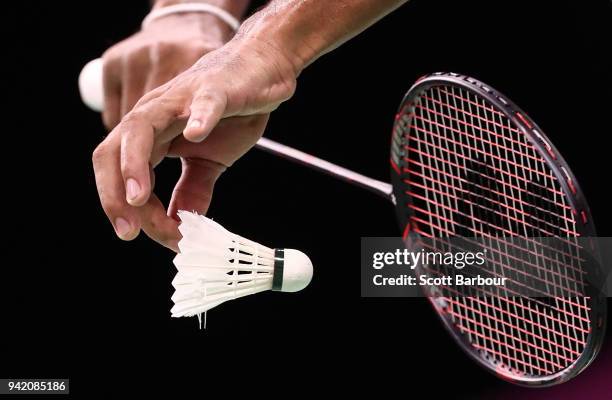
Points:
(297, 272)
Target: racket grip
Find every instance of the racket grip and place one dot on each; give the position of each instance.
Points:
(91, 86)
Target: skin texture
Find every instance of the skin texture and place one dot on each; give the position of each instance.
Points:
(216, 110)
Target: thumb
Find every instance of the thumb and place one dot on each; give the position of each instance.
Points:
(206, 110)
(193, 191)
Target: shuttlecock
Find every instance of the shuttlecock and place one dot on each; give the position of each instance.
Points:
(91, 85)
(215, 265)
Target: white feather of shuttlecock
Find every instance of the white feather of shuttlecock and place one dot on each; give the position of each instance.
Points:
(215, 265)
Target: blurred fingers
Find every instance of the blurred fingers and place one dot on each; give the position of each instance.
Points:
(112, 91)
(135, 71)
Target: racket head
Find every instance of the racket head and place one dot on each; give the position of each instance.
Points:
(461, 111)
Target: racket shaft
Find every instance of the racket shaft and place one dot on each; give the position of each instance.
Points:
(381, 188)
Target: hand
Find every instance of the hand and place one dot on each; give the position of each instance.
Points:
(153, 56)
(209, 115)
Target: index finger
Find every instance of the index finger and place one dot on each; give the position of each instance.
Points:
(141, 131)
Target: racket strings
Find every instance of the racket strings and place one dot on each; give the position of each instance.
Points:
(472, 173)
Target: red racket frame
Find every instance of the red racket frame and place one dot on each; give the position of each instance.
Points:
(572, 191)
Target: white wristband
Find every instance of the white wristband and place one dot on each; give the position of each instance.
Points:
(191, 8)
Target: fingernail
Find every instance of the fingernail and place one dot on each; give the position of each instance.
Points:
(133, 189)
(122, 227)
(195, 124)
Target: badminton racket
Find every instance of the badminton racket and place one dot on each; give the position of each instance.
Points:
(467, 162)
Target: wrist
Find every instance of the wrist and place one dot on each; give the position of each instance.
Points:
(236, 8)
(261, 55)
(215, 19)
(203, 25)
(275, 30)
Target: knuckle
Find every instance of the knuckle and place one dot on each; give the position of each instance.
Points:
(147, 98)
(289, 89)
(134, 116)
(207, 96)
(172, 104)
(111, 55)
(99, 153)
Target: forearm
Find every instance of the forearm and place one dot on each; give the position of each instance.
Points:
(304, 30)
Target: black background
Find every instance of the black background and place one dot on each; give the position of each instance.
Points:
(79, 303)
